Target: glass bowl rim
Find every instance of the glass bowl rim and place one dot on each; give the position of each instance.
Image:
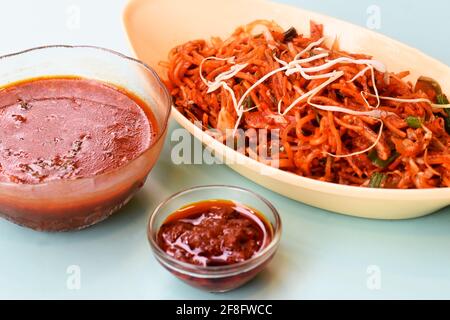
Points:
(160, 135)
(217, 271)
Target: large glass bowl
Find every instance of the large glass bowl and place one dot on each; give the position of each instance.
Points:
(74, 204)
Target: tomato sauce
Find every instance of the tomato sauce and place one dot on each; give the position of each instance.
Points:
(69, 128)
(214, 233)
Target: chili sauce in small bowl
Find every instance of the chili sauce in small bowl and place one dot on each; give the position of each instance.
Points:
(217, 243)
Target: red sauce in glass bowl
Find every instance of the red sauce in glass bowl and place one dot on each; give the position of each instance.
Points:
(72, 151)
(68, 128)
(214, 233)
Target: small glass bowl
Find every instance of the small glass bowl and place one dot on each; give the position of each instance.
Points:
(63, 205)
(215, 278)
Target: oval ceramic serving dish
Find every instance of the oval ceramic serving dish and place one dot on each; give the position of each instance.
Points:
(156, 26)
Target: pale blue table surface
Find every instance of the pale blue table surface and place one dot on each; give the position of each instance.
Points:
(322, 255)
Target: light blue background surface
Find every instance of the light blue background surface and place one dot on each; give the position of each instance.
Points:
(322, 255)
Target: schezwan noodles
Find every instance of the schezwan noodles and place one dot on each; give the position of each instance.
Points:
(342, 117)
